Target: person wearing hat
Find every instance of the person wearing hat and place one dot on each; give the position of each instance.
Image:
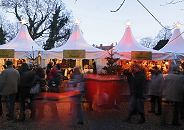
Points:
(9, 87)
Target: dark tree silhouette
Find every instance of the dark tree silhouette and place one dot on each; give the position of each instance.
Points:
(57, 23)
(2, 36)
(38, 14)
(160, 44)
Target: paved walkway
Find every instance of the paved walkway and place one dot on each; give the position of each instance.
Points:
(54, 115)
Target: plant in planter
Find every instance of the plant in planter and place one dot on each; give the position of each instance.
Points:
(112, 68)
(104, 89)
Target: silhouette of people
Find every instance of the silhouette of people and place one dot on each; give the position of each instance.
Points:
(136, 79)
(9, 87)
(155, 90)
(173, 90)
(27, 78)
(77, 80)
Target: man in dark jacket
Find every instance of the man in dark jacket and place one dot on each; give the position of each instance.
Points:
(136, 84)
(9, 87)
(27, 78)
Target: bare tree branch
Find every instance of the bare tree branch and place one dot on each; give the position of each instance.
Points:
(118, 7)
(145, 9)
(176, 37)
(172, 2)
(16, 13)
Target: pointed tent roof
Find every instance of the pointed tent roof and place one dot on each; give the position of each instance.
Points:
(175, 43)
(128, 43)
(76, 41)
(22, 42)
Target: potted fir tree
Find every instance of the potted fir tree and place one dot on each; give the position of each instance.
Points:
(112, 68)
(104, 89)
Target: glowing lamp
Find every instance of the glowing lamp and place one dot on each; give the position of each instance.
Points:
(178, 25)
(77, 21)
(128, 23)
(39, 54)
(23, 22)
(167, 63)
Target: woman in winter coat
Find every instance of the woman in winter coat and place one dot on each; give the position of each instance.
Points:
(27, 78)
(155, 90)
(173, 91)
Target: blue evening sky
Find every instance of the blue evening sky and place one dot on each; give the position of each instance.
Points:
(100, 26)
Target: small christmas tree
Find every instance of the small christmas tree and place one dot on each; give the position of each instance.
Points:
(112, 67)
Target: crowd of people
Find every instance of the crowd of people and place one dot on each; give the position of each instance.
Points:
(16, 85)
(161, 90)
(19, 85)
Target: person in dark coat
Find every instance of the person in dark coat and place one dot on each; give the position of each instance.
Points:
(173, 91)
(77, 81)
(48, 69)
(27, 78)
(9, 87)
(136, 79)
(155, 90)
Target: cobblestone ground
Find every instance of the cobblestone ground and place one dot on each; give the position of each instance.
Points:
(52, 115)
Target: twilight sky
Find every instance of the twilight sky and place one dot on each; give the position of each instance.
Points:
(100, 26)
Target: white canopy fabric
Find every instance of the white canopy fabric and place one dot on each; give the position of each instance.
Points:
(128, 44)
(22, 42)
(175, 43)
(76, 41)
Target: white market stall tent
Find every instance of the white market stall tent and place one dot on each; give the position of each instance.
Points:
(76, 41)
(23, 45)
(128, 44)
(175, 46)
(133, 52)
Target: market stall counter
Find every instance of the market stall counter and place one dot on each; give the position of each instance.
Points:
(103, 90)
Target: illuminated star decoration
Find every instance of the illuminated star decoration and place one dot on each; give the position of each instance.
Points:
(128, 23)
(23, 22)
(177, 25)
(77, 21)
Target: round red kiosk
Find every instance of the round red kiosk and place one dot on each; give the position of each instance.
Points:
(103, 90)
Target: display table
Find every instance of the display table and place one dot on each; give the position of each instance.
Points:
(103, 90)
(57, 96)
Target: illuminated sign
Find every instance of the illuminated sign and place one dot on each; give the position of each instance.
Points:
(74, 54)
(7, 53)
(141, 55)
